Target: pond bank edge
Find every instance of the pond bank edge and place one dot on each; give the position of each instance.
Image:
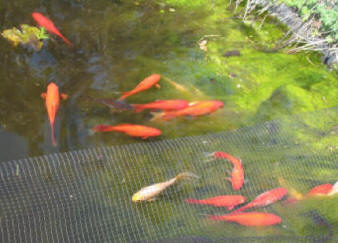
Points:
(302, 32)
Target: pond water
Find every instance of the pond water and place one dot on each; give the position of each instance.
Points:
(119, 43)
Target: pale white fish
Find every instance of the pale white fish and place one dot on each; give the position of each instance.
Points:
(150, 192)
(176, 85)
(181, 88)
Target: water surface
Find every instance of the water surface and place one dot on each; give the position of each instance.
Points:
(116, 45)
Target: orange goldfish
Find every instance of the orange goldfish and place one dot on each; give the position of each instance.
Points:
(229, 201)
(52, 98)
(198, 108)
(162, 105)
(249, 219)
(320, 190)
(130, 129)
(237, 174)
(150, 192)
(49, 25)
(265, 199)
(145, 84)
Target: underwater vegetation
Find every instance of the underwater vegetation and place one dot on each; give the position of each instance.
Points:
(229, 73)
(28, 35)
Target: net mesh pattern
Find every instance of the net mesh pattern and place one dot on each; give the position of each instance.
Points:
(85, 196)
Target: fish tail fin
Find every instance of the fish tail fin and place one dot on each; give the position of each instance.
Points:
(156, 116)
(215, 217)
(125, 95)
(242, 208)
(66, 41)
(293, 192)
(53, 135)
(193, 201)
(168, 116)
(165, 116)
(186, 175)
(103, 128)
(138, 108)
(209, 156)
(291, 200)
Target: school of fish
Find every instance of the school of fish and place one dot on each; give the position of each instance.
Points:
(250, 219)
(232, 201)
(170, 109)
(266, 198)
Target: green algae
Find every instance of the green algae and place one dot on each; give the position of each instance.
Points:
(131, 41)
(189, 3)
(27, 36)
(119, 44)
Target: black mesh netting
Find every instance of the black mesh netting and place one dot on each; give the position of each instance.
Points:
(85, 196)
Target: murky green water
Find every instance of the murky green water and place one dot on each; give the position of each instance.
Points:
(118, 43)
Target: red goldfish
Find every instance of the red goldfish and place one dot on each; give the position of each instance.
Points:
(237, 174)
(320, 190)
(52, 98)
(229, 201)
(130, 129)
(249, 219)
(162, 105)
(49, 25)
(199, 108)
(145, 84)
(265, 199)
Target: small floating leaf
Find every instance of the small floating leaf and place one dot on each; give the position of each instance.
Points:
(13, 35)
(28, 35)
(43, 34)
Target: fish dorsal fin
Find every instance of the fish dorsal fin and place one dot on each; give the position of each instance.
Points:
(156, 116)
(63, 96)
(43, 95)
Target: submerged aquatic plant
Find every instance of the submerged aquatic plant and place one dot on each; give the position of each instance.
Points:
(28, 35)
